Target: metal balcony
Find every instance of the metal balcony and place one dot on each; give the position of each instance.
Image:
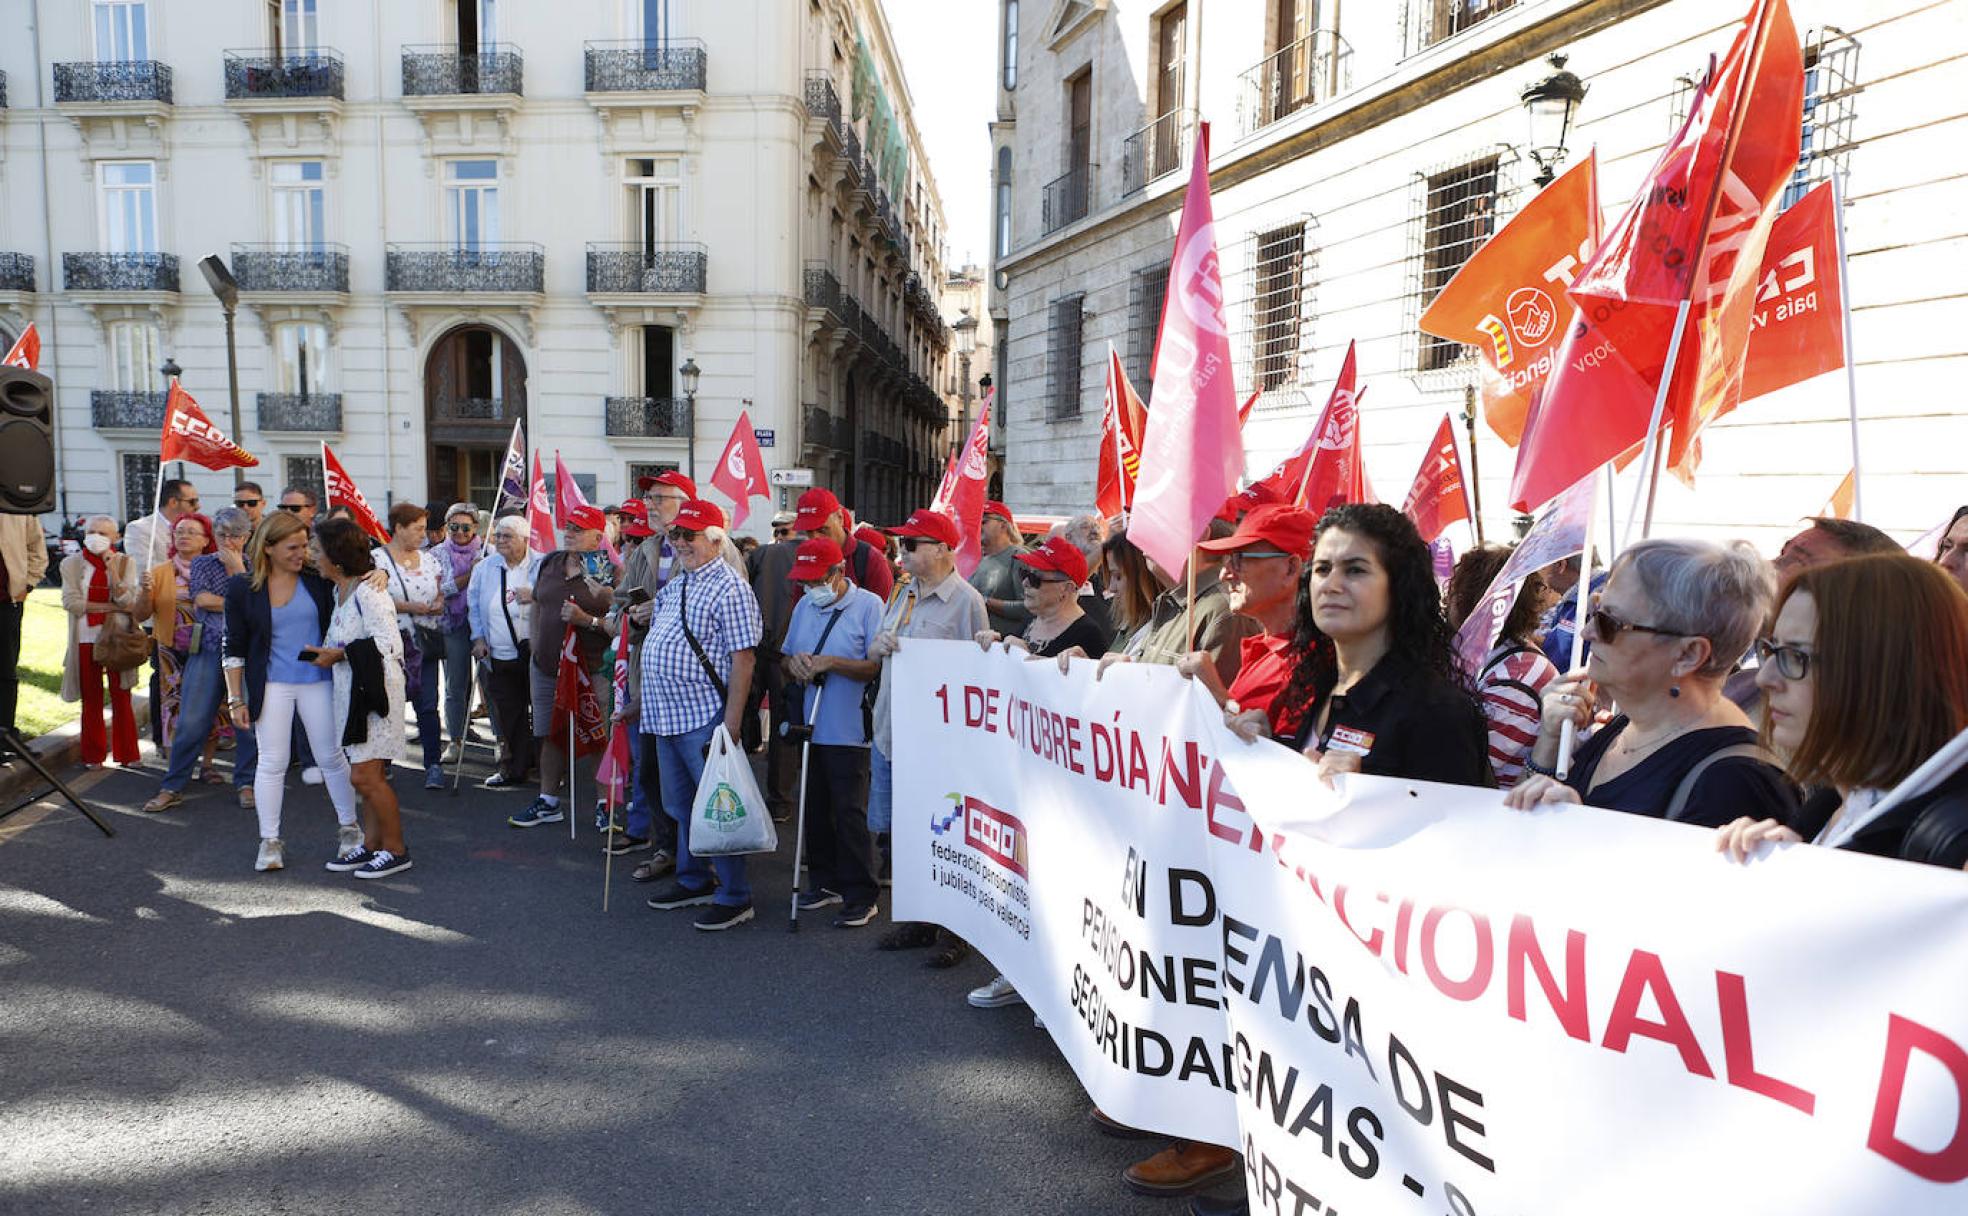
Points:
(823, 290)
(134, 80)
(16, 272)
(3, 90)
(1156, 150)
(301, 412)
(120, 271)
(475, 411)
(1431, 21)
(445, 71)
(646, 417)
(677, 267)
(111, 409)
(634, 66)
(255, 75)
(822, 100)
(1309, 71)
(1066, 199)
(446, 268)
(279, 268)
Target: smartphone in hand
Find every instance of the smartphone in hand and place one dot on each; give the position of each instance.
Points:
(309, 654)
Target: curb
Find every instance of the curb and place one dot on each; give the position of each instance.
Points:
(60, 748)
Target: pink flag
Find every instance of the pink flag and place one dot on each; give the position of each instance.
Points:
(942, 500)
(741, 470)
(1192, 452)
(567, 496)
(539, 513)
(612, 772)
(968, 494)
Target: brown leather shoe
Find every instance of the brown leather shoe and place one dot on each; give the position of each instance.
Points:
(1181, 1169)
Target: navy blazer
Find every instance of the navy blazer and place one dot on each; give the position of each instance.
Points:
(249, 628)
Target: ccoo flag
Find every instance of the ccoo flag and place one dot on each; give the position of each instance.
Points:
(189, 435)
(343, 492)
(1797, 330)
(26, 350)
(1438, 496)
(741, 470)
(1121, 423)
(1192, 449)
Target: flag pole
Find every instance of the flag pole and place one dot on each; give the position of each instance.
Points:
(1851, 370)
(1189, 620)
(1651, 453)
(572, 754)
(1568, 738)
(1472, 490)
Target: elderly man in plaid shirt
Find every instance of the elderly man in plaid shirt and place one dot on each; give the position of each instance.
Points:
(696, 668)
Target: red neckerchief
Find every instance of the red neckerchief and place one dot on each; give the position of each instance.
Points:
(98, 585)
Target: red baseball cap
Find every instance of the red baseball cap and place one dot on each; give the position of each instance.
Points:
(1060, 555)
(1280, 525)
(697, 515)
(670, 478)
(635, 509)
(636, 529)
(1249, 498)
(930, 525)
(814, 558)
(1001, 511)
(869, 534)
(587, 517)
(814, 507)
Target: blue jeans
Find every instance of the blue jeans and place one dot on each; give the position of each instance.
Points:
(681, 759)
(649, 794)
(881, 790)
(457, 681)
(201, 689)
(430, 730)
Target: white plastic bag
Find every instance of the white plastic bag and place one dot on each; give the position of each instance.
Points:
(728, 816)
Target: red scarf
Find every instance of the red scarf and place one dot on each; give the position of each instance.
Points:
(98, 585)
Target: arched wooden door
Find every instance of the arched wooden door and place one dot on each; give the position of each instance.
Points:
(474, 390)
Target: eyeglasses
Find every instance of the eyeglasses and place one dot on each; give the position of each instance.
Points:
(190, 502)
(1241, 556)
(1033, 578)
(1608, 626)
(684, 535)
(909, 543)
(1791, 662)
(246, 504)
(295, 507)
(464, 528)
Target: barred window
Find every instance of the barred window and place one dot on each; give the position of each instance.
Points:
(1278, 274)
(1063, 345)
(1831, 90)
(1459, 212)
(304, 472)
(1147, 293)
(139, 483)
(1430, 21)
(639, 469)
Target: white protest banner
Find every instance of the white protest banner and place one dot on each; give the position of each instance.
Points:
(1399, 997)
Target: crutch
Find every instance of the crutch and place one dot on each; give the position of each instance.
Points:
(472, 688)
(799, 824)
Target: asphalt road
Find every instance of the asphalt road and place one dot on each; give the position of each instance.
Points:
(179, 1034)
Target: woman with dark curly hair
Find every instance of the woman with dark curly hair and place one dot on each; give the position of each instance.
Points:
(1374, 660)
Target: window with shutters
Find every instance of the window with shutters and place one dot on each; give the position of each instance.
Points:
(1063, 356)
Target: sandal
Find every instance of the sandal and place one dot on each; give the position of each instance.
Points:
(212, 776)
(659, 865)
(163, 800)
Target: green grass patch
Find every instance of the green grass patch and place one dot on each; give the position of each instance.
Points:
(44, 638)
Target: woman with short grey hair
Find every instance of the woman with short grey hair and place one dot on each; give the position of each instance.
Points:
(1669, 625)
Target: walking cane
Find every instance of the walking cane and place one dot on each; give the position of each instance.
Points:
(471, 687)
(799, 824)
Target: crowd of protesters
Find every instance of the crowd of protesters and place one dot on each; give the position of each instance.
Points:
(1772, 700)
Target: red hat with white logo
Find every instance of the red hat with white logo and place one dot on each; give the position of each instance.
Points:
(1001, 511)
(697, 515)
(815, 506)
(814, 558)
(669, 478)
(1060, 556)
(1276, 525)
(587, 517)
(930, 525)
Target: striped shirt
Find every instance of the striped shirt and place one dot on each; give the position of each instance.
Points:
(1512, 682)
(677, 693)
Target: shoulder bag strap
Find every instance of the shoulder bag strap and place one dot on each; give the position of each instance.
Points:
(1685, 791)
(504, 609)
(683, 615)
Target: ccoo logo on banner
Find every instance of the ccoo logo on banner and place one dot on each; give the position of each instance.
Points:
(1401, 998)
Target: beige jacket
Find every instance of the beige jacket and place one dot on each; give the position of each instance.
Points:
(124, 591)
(24, 551)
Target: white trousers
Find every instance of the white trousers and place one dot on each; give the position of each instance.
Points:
(315, 703)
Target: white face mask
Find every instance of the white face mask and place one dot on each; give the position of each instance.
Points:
(823, 595)
(96, 543)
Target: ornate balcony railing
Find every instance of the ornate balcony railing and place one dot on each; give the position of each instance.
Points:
(637, 67)
(16, 272)
(111, 409)
(631, 266)
(133, 80)
(473, 411)
(822, 100)
(443, 71)
(503, 267)
(120, 271)
(823, 290)
(1427, 22)
(262, 74)
(1156, 150)
(1066, 199)
(851, 152)
(277, 268)
(646, 417)
(3, 90)
(1316, 67)
(307, 412)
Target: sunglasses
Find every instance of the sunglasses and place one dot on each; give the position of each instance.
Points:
(909, 543)
(1033, 578)
(465, 528)
(685, 535)
(1609, 627)
(1791, 662)
(1241, 556)
(246, 504)
(295, 507)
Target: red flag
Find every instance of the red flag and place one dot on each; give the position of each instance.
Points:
(539, 513)
(343, 492)
(1283, 483)
(1508, 300)
(189, 435)
(967, 496)
(1121, 423)
(1244, 410)
(612, 773)
(1698, 228)
(26, 350)
(574, 694)
(741, 470)
(943, 488)
(1438, 497)
(1797, 330)
(567, 496)
(1842, 500)
(1334, 472)
(1192, 450)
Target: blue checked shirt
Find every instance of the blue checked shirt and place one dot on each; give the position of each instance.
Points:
(677, 696)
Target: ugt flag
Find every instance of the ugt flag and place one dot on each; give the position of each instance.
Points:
(1288, 481)
(343, 492)
(1334, 472)
(190, 436)
(26, 350)
(741, 469)
(967, 495)
(575, 699)
(1192, 450)
(1438, 496)
(539, 513)
(1121, 423)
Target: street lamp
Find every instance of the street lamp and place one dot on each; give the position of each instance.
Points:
(966, 331)
(226, 288)
(690, 372)
(1548, 106)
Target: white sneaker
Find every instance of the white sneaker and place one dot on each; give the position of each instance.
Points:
(311, 775)
(272, 855)
(995, 995)
(349, 837)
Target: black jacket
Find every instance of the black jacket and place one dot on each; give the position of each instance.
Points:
(249, 628)
(1931, 829)
(368, 694)
(1414, 725)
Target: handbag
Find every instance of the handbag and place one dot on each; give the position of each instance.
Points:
(413, 654)
(120, 645)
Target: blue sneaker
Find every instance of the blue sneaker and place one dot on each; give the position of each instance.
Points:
(382, 863)
(541, 812)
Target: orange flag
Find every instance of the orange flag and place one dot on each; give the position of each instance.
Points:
(26, 350)
(1797, 330)
(1840, 504)
(1508, 300)
(1121, 422)
(1438, 497)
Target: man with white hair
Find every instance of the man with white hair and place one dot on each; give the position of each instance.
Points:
(499, 604)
